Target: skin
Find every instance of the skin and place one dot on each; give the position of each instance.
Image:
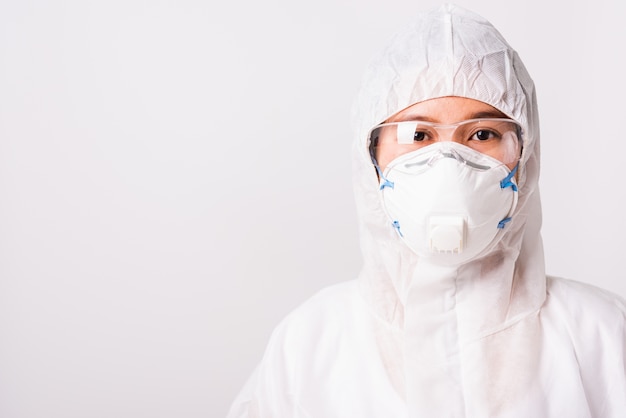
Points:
(443, 110)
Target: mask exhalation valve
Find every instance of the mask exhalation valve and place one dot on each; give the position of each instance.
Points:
(447, 234)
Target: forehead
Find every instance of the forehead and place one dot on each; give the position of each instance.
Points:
(447, 110)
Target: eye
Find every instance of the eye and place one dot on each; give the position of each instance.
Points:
(484, 135)
(419, 136)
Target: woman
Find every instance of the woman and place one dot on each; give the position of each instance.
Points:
(452, 314)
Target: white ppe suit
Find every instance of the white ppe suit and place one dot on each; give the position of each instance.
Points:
(493, 337)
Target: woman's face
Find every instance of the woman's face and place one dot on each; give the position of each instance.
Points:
(444, 111)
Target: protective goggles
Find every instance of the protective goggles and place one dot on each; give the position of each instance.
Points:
(497, 138)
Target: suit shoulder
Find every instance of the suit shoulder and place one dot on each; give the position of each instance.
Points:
(578, 295)
(585, 307)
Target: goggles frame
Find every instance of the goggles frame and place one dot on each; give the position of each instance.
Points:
(497, 129)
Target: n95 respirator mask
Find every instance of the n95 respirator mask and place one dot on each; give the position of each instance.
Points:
(447, 201)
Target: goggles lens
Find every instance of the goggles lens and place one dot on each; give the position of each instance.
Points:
(498, 138)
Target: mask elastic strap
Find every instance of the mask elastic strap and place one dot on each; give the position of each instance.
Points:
(385, 181)
(504, 183)
(503, 222)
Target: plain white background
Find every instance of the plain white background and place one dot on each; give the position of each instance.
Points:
(175, 178)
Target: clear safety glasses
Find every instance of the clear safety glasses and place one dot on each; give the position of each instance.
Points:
(498, 138)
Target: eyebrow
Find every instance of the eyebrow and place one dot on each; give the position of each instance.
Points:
(477, 115)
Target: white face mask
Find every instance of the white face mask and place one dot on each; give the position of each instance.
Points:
(448, 202)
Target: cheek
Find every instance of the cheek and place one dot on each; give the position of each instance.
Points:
(384, 155)
(381, 160)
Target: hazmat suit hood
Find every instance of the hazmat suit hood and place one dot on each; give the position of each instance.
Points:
(442, 310)
(450, 52)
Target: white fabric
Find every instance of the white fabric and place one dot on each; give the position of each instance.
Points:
(490, 338)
